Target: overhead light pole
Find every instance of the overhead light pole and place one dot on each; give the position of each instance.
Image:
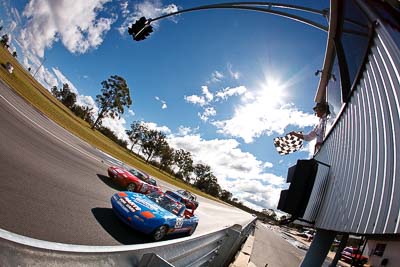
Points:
(44, 59)
(142, 27)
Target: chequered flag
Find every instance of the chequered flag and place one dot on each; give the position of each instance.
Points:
(287, 144)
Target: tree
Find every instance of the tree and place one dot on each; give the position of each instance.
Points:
(153, 143)
(114, 98)
(4, 40)
(65, 95)
(166, 156)
(206, 180)
(68, 98)
(85, 113)
(110, 134)
(55, 92)
(226, 195)
(183, 160)
(136, 133)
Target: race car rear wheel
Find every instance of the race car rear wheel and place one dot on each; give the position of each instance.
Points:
(160, 233)
(131, 187)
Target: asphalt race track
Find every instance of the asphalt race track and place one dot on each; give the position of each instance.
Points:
(54, 187)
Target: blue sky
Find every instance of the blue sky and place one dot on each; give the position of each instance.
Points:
(220, 83)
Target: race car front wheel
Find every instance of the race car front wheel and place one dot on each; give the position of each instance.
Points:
(159, 233)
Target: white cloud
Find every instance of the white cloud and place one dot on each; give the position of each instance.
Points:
(46, 78)
(182, 130)
(263, 112)
(12, 26)
(148, 9)
(124, 9)
(234, 74)
(216, 76)
(16, 16)
(268, 165)
(262, 197)
(207, 113)
(81, 100)
(74, 23)
(202, 100)
(118, 126)
(207, 99)
(196, 100)
(235, 169)
(38, 70)
(154, 126)
(130, 111)
(64, 79)
(228, 92)
(309, 147)
(163, 102)
(209, 96)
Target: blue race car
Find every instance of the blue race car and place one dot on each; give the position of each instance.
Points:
(156, 214)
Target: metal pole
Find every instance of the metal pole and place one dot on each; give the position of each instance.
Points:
(342, 245)
(44, 59)
(319, 248)
(248, 6)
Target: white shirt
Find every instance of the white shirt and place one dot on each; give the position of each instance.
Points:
(318, 131)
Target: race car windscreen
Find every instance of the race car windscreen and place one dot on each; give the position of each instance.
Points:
(166, 202)
(138, 174)
(173, 195)
(152, 181)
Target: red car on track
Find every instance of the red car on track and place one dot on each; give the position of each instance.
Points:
(133, 180)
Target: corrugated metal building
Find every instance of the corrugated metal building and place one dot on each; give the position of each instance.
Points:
(357, 186)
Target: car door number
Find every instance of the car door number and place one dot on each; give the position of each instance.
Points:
(179, 223)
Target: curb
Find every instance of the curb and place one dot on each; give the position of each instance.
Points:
(243, 257)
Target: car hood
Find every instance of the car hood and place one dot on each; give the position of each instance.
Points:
(144, 204)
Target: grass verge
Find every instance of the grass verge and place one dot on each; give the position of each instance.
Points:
(22, 82)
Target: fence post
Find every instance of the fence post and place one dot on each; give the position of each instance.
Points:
(228, 247)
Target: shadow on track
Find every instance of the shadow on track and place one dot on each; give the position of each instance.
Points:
(110, 182)
(117, 229)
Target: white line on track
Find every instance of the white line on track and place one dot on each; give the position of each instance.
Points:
(50, 133)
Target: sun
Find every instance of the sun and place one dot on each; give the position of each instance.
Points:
(272, 91)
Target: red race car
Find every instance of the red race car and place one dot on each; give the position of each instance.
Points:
(354, 256)
(133, 180)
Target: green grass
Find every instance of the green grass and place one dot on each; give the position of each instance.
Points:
(33, 92)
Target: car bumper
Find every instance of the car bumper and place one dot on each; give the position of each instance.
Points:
(130, 218)
(112, 173)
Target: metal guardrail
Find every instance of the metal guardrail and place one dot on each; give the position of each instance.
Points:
(210, 249)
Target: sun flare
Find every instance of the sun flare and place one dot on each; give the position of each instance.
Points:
(272, 91)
